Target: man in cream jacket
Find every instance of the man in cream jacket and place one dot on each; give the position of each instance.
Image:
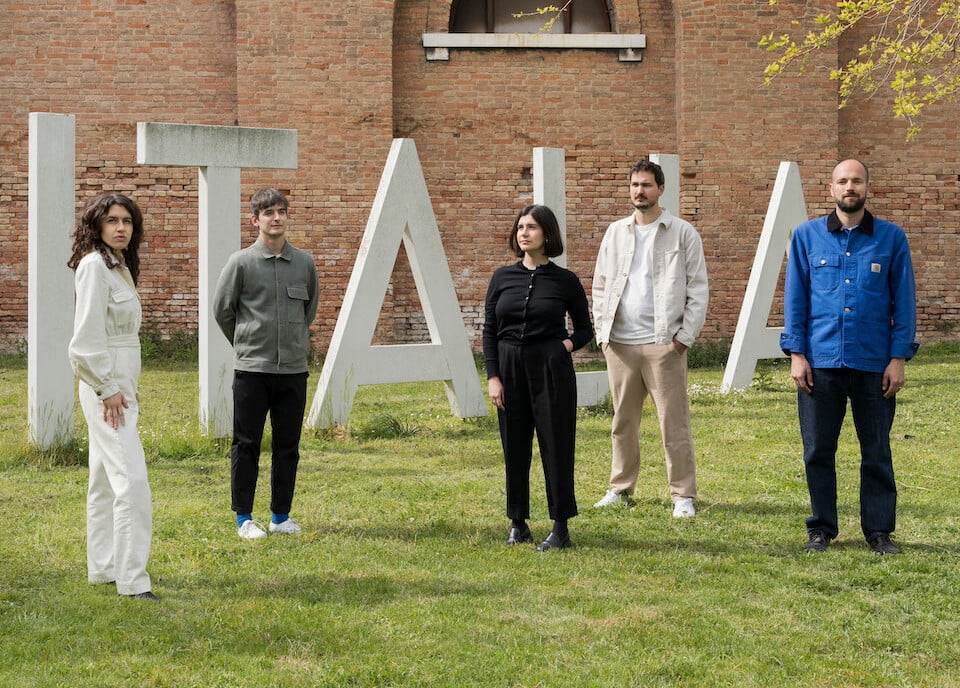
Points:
(649, 304)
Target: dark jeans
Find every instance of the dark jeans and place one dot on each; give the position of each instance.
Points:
(539, 393)
(821, 416)
(285, 398)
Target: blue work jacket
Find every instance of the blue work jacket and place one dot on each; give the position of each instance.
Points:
(849, 297)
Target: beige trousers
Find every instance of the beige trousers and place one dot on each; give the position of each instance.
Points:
(658, 370)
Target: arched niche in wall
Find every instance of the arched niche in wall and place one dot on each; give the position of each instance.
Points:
(499, 24)
(522, 16)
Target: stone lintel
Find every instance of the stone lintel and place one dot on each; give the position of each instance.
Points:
(198, 145)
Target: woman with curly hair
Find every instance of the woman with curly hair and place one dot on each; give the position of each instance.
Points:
(105, 355)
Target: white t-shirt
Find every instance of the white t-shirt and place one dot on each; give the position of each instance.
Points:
(633, 323)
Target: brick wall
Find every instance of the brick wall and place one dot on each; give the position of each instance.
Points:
(351, 76)
(113, 64)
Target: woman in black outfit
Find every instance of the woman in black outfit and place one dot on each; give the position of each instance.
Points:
(531, 381)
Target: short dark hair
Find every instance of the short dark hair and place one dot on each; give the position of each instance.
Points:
(267, 198)
(552, 241)
(87, 237)
(651, 167)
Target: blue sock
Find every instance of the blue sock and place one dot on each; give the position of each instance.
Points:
(279, 518)
(243, 518)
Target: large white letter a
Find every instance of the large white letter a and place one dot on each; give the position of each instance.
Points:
(753, 340)
(401, 211)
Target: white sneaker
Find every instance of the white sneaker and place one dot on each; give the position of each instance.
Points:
(251, 530)
(683, 508)
(288, 527)
(611, 498)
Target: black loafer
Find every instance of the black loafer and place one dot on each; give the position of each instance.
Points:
(145, 596)
(881, 544)
(554, 542)
(518, 536)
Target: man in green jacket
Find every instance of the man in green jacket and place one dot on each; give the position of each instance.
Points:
(265, 300)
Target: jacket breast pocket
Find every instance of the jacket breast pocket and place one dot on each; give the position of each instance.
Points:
(297, 297)
(123, 310)
(874, 274)
(674, 264)
(120, 295)
(825, 272)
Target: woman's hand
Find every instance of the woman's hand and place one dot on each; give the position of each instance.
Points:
(113, 410)
(495, 390)
(568, 345)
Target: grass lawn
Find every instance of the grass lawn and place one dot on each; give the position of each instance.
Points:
(401, 577)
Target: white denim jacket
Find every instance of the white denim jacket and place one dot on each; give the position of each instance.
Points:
(679, 279)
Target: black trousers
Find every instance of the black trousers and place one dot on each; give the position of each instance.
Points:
(285, 398)
(540, 394)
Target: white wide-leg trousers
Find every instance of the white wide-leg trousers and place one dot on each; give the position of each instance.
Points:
(119, 511)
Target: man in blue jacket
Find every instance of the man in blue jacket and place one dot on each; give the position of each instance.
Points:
(849, 326)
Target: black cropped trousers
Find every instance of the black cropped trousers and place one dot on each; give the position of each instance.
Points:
(540, 394)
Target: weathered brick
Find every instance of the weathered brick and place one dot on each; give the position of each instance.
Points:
(352, 76)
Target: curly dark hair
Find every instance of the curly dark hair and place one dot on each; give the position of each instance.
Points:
(86, 237)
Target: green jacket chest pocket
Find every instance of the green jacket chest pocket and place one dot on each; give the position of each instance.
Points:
(297, 298)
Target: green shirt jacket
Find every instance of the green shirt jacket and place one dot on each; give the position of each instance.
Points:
(264, 305)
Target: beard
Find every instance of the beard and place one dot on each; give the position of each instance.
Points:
(852, 205)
